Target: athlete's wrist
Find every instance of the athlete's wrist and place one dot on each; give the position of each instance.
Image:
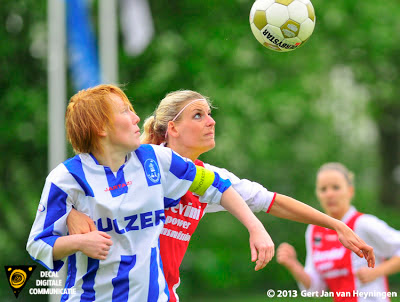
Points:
(338, 225)
(76, 243)
(293, 264)
(255, 225)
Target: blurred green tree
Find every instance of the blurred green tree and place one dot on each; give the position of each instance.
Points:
(279, 117)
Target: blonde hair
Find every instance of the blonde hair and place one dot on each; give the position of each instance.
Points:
(348, 175)
(88, 113)
(155, 126)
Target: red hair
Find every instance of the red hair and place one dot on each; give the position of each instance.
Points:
(90, 112)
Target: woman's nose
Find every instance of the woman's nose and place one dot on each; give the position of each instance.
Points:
(135, 118)
(210, 121)
(330, 193)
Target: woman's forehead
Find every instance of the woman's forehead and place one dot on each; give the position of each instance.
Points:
(199, 105)
(330, 176)
(120, 101)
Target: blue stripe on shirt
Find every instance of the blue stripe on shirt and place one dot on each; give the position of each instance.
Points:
(56, 205)
(121, 281)
(88, 280)
(57, 265)
(221, 184)
(153, 283)
(169, 203)
(182, 169)
(118, 182)
(56, 208)
(71, 276)
(74, 166)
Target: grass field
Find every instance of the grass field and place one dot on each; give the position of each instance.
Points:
(264, 298)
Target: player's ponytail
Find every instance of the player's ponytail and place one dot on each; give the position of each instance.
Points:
(152, 133)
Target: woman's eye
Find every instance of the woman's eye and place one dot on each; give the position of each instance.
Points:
(197, 115)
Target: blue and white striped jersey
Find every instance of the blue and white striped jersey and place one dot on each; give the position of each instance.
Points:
(129, 206)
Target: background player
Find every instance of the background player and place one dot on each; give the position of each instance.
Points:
(328, 265)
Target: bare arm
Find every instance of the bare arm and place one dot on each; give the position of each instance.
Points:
(261, 245)
(292, 209)
(386, 268)
(286, 256)
(79, 223)
(94, 244)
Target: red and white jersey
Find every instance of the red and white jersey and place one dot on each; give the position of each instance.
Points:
(181, 221)
(332, 266)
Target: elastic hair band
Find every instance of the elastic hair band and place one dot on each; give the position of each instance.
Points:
(179, 113)
(184, 107)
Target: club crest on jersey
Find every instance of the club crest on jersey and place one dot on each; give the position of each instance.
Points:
(317, 240)
(152, 170)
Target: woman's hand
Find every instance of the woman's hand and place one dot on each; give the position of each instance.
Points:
(286, 255)
(95, 244)
(366, 275)
(350, 240)
(261, 246)
(79, 223)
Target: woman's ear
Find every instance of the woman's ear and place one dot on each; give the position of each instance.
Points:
(102, 133)
(172, 131)
(351, 192)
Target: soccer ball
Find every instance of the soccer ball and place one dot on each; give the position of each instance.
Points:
(282, 25)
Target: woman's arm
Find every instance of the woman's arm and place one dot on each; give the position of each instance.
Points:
(79, 223)
(386, 268)
(95, 244)
(261, 245)
(289, 208)
(286, 256)
(386, 242)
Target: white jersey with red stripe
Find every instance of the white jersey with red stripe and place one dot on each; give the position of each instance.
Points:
(332, 266)
(182, 220)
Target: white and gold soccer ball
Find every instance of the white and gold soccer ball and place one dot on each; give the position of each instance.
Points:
(282, 25)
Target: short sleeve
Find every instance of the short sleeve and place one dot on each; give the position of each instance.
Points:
(384, 239)
(257, 197)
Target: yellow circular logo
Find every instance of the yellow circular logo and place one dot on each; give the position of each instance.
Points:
(17, 278)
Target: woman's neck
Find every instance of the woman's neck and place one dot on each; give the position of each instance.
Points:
(184, 151)
(340, 214)
(112, 160)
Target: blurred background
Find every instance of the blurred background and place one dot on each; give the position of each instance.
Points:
(279, 115)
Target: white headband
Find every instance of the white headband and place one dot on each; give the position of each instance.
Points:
(184, 107)
(179, 113)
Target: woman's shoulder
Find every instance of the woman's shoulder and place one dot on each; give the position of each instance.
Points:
(368, 223)
(368, 218)
(150, 149)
